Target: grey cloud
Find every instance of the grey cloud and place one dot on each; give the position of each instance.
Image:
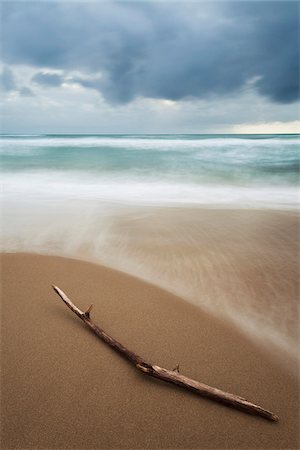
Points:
(7, 80)
(48, 79)
(8, 83)
(26, 92)
(277, 41)
(91, 83)
(160, 50)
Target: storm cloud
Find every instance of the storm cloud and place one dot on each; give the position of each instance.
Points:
(47, 79)
(7, 80)
(173, 51)
(8, 84)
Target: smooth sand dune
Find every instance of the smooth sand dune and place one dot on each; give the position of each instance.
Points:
(63, 388)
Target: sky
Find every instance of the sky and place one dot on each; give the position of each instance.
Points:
(150, 67)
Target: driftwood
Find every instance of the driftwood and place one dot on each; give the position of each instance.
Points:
(170, 376)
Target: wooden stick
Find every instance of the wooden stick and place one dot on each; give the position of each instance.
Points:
(170, 376)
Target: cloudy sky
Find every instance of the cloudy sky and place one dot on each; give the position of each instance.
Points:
(149, 66)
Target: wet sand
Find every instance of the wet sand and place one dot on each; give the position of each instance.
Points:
(240, 264)
(62, 388)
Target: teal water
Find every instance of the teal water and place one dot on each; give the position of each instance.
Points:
(243, 170)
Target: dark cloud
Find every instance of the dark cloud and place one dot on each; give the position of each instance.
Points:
(7, 80)
(26, 92)
(48, 79)
(90, 83)
(8, 84)
(276, 38)
(160, 50)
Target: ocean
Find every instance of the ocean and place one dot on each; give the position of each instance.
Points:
(247, 171)
(134, 202)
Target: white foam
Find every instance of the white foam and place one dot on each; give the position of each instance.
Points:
(81, 186)
(144, 143)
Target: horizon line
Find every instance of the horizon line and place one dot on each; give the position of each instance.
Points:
(145, 134)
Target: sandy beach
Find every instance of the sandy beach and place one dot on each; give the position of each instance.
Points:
(63, 388)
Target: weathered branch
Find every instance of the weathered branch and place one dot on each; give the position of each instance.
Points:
(170, 376)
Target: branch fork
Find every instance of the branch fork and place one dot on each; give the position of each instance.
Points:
(87, 312)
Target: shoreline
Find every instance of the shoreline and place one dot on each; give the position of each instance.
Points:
(54, 369)
(241, 264)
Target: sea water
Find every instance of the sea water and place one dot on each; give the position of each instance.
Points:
(228, 170)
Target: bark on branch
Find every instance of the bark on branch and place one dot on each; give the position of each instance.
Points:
(170, 376)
